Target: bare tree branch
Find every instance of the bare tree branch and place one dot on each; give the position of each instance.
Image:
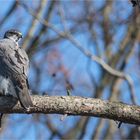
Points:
(74, 105)
(95, 58)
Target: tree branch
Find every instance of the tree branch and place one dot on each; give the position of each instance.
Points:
(75, 105)
(95, 58)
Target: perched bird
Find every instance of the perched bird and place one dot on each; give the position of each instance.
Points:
(14, 64)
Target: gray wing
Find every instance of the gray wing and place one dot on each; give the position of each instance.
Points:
(14, 63)
(13, 59)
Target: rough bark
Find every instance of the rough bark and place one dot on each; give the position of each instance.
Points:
(74, 105)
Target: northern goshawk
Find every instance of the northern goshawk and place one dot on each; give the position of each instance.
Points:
(14, 64)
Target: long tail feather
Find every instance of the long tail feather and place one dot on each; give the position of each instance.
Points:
(24, 98)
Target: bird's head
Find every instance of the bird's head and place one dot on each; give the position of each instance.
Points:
(13, 34)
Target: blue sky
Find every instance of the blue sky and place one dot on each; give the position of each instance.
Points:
(74, 60)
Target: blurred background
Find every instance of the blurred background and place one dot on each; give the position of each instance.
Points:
(52, 31)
